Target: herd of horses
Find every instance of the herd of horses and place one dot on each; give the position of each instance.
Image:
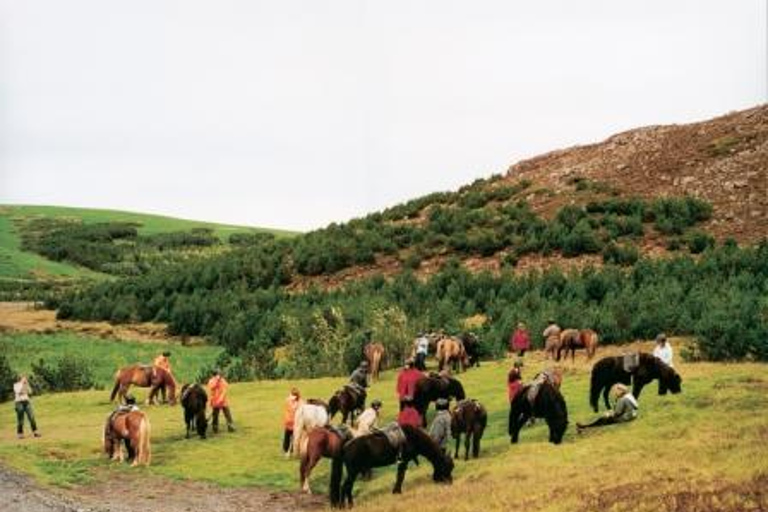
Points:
(354, 453)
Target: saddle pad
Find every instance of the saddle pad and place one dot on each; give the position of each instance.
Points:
(343, 431)
(630, 362)
(394, 434)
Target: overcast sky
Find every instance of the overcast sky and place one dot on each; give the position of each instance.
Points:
(297, 113)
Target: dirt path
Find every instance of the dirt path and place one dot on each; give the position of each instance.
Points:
(131, 493)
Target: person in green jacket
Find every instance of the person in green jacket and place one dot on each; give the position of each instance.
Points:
(625, 409)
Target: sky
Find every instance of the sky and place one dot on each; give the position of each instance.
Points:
(296, 113)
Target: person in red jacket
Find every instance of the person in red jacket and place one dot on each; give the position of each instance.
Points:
(406, 382)
(514, 380)
(520, 340)
(409, 415)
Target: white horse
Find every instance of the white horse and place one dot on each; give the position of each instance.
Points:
(308, 416)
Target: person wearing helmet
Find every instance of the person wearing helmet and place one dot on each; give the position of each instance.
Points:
(359, 377)
(406, 382)
(369, 419)
(440, 430)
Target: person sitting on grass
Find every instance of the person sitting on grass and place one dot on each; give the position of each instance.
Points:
(625, 409)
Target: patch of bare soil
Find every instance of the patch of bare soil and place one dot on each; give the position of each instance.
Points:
(27, 317)
(136, 492)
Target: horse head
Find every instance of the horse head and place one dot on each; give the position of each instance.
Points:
(334, 404)
(669, 379)
(456, 389)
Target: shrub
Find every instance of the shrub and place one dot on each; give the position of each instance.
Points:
(699, 241)
(68, 373)
(7, 378)
(625, 255)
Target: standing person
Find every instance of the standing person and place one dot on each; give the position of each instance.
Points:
(663, 350)
(369, 419)
(520, 340)
(514, 380)
(551, 339)
(292, 403)
(422, 351)
(440, 430)
(409, 415)
(23, 405)
(217, 390)
(406, 382)
(624, 410)
(163, 361)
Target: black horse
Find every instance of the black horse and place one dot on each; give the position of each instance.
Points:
(349, 401)
(375, 450)
(472, 348)
(547, 403)
(610, 370)
(193, 400)
(432, 387)
(469, 417)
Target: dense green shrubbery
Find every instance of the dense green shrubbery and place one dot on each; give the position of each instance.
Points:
(67, 373)
(7, 378)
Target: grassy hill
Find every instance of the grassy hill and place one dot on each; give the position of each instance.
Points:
(16, 263)
(702, 450)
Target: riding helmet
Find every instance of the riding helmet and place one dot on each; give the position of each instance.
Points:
(376, 404)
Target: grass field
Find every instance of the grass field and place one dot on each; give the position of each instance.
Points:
(15, 263)
(706, 449)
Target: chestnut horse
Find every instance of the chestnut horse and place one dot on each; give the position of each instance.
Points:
(571, 339)
(144, 376)
(469, 417)
(132, 428)
(321, 442)
(374, 353)
(349, 400)
(451, 351)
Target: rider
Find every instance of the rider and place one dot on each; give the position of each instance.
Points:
(422, 350)
(128, 406)
(369, 419)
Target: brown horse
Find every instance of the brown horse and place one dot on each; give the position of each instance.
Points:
(132, 428)
(349, 400)
(374, 353)
(450, 351)
(144, 376)
(322, 442)
(572, 339)
(469, 417)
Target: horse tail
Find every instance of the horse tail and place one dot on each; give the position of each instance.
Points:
(116, 388)
(145, 451)
(595, 385)
(337, 470)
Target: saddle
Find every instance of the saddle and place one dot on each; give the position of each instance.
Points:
(394, 435)
(535, 386)
(630, 362)
(343, 431)
(356, 391)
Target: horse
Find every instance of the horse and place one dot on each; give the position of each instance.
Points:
(638, 369)
(132, 428)
(471, 347)
(572, 339)
(309, 416)
(194, 400)
(375, 450)
(144, 376)
(374, 353)
(471, 418)
(451, 351)
(321, 442)
(430, 388)
(347, 400)
(539, 400)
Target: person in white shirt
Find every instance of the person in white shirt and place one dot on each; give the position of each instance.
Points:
(663, 350)
(23, 405)
(369, 419)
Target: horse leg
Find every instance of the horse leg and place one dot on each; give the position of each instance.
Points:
(606, 392)
(458, 442)
(401, 468)
(349, 482)
(467, 436)
(476, 435)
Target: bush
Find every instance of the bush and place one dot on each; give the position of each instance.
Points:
(7, 378)
(699, 242)
(68, 373)
(625, 255)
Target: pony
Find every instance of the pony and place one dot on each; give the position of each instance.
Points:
(571, 339)
(471, 418)
(374, 353)
(194, 400)
(471, 347)
(375, 450)
(144, 376)
(539, 400)
(451, 351)
(610, 370)
(321, 442)
(132, 428)
(349, 401)
(430, 388)
(309, 416)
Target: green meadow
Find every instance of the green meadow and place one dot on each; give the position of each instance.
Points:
(705, 449)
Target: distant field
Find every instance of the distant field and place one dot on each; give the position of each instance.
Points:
(705, 449)
(17, 264)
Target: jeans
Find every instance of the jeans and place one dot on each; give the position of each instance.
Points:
(24, 407)
(287, 438)
(215, 420)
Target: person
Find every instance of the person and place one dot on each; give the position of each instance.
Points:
(369, 419)
(163, 361)
(359, 376)
(624, 410)
(663, 350)
(217, 390)
(23, 405)
(515, 380)
(406, 382)
(551, 338)
(422, 350)
(128, 406)
(440, 430)
(292, 403)
(409, 415)
(520, 341)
